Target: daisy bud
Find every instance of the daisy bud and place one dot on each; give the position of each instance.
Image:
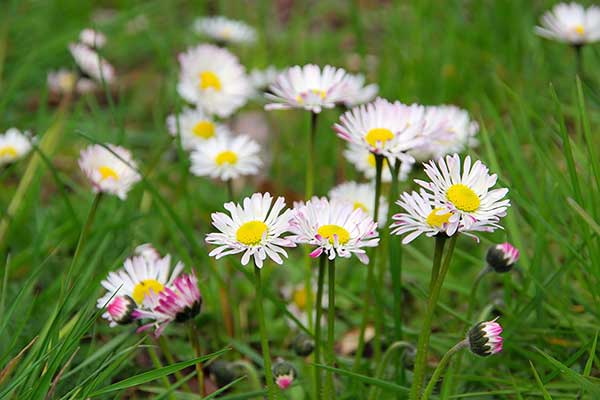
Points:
(502, 257)
(120, 310)
(284, 374)
(303, 345)
(484, 338)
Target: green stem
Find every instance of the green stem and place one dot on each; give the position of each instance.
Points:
(157, 365)
(164, 347)
(579, 60)
(264, 341)
(195, 341)
(440, 241)
(310, 164)
(230, 192)
(440, 368)
(331, 328)
(374, 392)
(395, 259)
(321, 278)
(425, 333)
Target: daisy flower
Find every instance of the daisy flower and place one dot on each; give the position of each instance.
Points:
(357, 92)
(571, 23)
(364, 161)
(335, 227)
(195, 127)
(226, 157)
(92, 38)
(14, 145)
(224, 30)
(213, 79)
(91, 64)
(147, 251)
(484, 338)
(468, 196)
(360, 195)
(297, 296)
(178, 302)
(254, 228)
(62, 81)
(119, 310)
(108, 172)
(502, 257)
(308, 87)
(390, 129)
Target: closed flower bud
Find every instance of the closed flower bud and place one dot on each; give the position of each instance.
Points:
(303, 345)
(484, 338)
(502, 257)
(120, 310)
(284, 374)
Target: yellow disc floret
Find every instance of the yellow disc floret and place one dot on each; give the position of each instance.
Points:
(463, 197)
(209, 79)
(251, 233)
(204, 129)
(580, 30)
(436, 220)
(299, 297)
(9, 151)
(143, 288)
(226, 157)
(108, 172)
(378, 135)
(330, 231)
(358, 204)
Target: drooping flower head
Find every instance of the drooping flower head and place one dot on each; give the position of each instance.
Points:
(195, 127)
(213, 79)
(571, 23)
(484, 338)
(107, 172)
(502, 257)
(357, 92)
(334, 227)
(91, 64)
(364, 161)
(253, 228)
(14, 145)
(226, 157)
(92, 38)
(308, 87)
(360, 195)
(225, 30)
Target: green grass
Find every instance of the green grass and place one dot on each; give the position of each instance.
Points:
(539, 133)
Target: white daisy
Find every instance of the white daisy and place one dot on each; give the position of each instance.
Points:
(255, 228)
(335, 227)
(364, 161)
(468, 196)
(308, 87)
(360, 195)
(390, 129)
(147, 251)
(62, 81)
(195, 127)
(356, 91)
(107, 172)
(14, 145)
(91, 63)
(571, 23)
(226, 157)
(92, 38)
(213, 79)
(297, 296)
(225, 30)
(261, 79)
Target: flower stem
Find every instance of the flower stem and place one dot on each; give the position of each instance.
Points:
(440, 241)
(440, 368)
(264, 341)
(230, 193)
(157, 364)
(195, 341)
(374, 392)
(321, 278)
(164, 347)
(395, 259)
(579, 60)
(425, 333)
(331, 328)
(310, 164)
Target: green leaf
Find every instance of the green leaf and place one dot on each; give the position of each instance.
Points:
(584, 382)
(539, 382)
(366, 379)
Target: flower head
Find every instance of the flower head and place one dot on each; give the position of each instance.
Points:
(308, 87)
(364, 161)
(303, 344)
(224, 30)
(357, 92)
(119, 311)
(195, 127)
(335, 227)
(284, 374)
(484, 338)
(213, 79)
(147, 251)
(14, 145)
(254, 228)
(92, 38)
(502, 257)
(297, 296)
(571, 23)
(91, 64)
(110, 173)
(62, 81)
(360, 195)
(226, 157)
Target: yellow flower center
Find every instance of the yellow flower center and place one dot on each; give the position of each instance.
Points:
(142, 289)
(204, 129)
(358, 204)
(329, 231)
(299, 298)
(320, 92)
(580, 30)
(251, 233)
(209, 79)
(380, 135)
(108, 172)
(463, 197)
(9, 151)
(437, 221)
(371, 161)
(226, 157)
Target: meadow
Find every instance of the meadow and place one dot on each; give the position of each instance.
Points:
(536, 105)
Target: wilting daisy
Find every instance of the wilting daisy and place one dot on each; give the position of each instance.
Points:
(389, 129)
(108, 172)
(177, 302)
(254, 228)
(226, 157)
(360, 195)
(308, 87)
(357, 92)
(466, 196)
(571, 23)
(364, 161)
(213, 79)
(484, 338)
(92, 38)
(14, 145)
(335, 227)
(91, 64)
(195, 127)
(225, 30)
